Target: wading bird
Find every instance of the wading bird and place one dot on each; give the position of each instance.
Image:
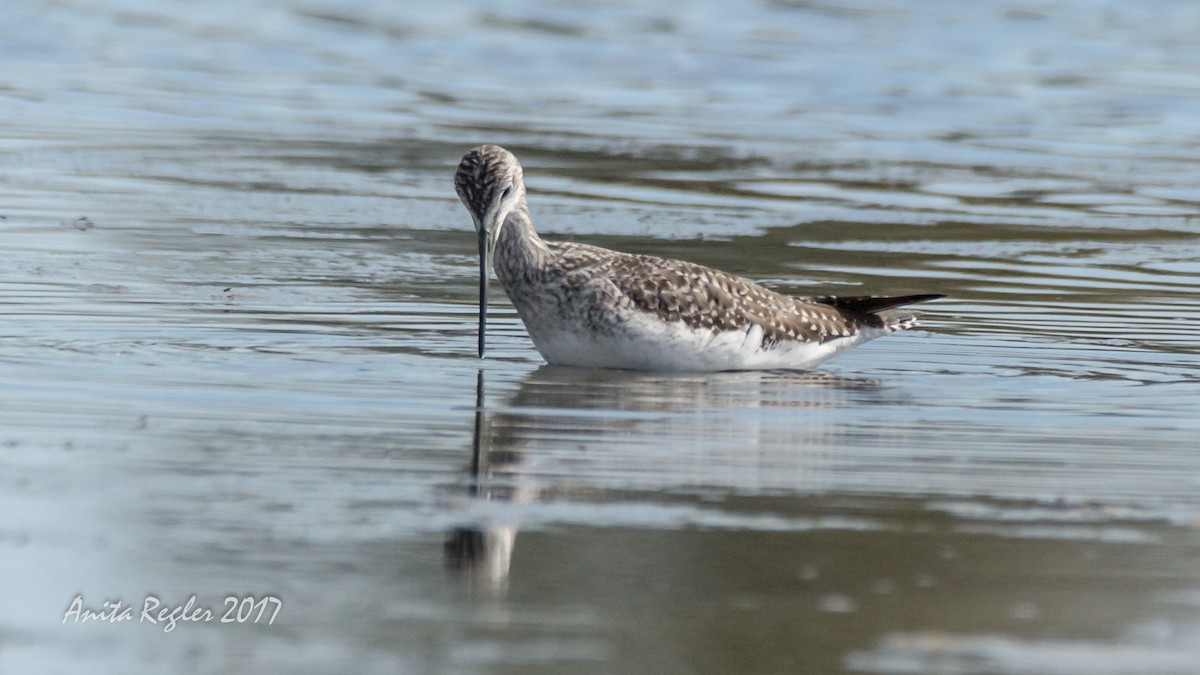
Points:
(593, 307)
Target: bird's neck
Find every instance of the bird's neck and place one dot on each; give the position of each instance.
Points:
(520, 253)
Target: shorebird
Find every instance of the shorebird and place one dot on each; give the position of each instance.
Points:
(594, 307)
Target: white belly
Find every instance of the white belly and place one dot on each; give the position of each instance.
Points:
(647, 343)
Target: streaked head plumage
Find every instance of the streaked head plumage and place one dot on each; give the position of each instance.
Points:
(490, 182)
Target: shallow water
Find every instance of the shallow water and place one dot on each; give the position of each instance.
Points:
(238, 316)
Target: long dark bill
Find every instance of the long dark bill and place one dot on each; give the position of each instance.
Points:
(485, 274)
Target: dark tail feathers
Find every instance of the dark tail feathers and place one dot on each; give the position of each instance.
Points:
(872, 304)
(875, 309)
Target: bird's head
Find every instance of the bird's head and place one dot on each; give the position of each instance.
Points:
(490, 183)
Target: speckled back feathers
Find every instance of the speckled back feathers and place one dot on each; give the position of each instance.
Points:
(709, 299)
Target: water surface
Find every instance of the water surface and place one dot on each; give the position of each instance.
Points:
(238, 317)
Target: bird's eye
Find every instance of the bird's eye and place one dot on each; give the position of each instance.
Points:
(506, 193)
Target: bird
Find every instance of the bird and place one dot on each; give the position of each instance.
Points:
(592, 307)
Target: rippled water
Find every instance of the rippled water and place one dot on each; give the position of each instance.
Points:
(238, 316)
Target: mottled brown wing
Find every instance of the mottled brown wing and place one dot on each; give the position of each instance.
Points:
(705, 298)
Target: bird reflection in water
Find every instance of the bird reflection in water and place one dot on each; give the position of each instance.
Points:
(486, 549)
(759, 430)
